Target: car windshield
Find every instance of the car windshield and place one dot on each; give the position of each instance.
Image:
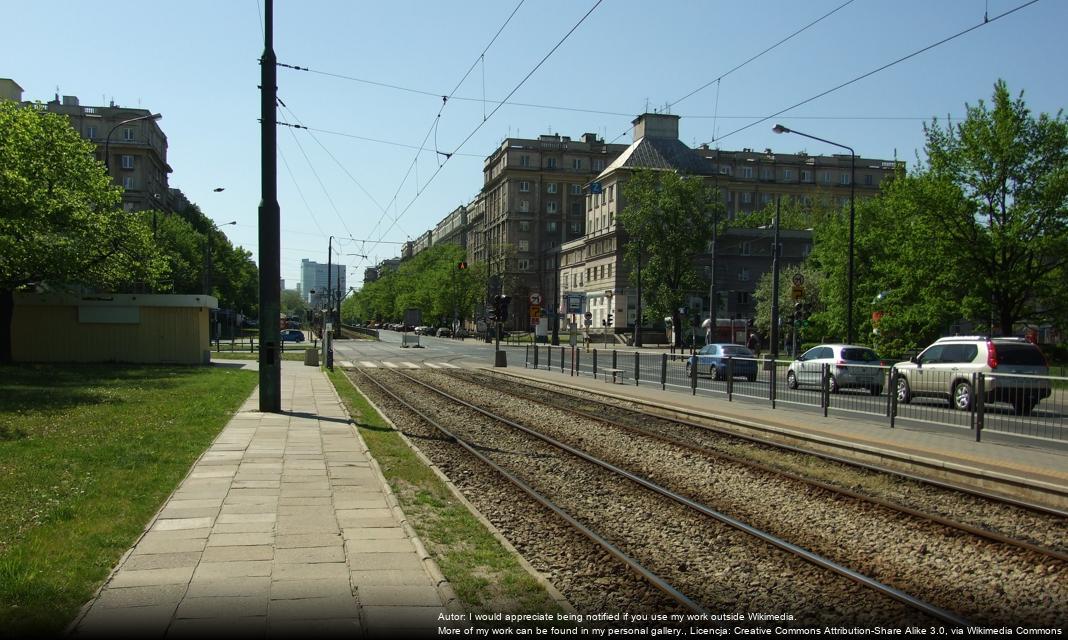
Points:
(860, 355)
(741, 352)
(1022, 354)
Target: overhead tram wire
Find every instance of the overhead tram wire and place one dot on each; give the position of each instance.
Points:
(985, 22)
(315, 173)
(300, 192)
(510, 94)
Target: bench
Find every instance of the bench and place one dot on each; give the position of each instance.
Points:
(614, 372)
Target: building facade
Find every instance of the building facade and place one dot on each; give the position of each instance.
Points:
(314, 278)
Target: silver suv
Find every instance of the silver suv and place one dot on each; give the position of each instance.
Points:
(850, 366)
(948, 368)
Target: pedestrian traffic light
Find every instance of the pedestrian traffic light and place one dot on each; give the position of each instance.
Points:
(462, 265)
(797, 311)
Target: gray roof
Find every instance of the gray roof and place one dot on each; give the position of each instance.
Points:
(661, 153)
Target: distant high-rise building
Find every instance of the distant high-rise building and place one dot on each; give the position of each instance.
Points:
(313, 278)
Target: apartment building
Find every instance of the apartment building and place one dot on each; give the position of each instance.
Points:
(314, 277)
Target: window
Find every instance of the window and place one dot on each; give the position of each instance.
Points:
(90, 132)
(609, 270)
(524, 245)
(524, 205)
(576, 228)
(524, 161)
(550, 206)
(843, 178)
(598, 165)
(868, 179)
(745, 248)
(127, 182)
(576, 164)
(550, 227)
(766, 173)
(611, 193)
(127, 133)
(550, 163)
(576, 190)
(787, 175)
(524, 226)
(747, 172)
(524, 186)
(127, 162)
(551, 187)
(825, 177)
(524, 264)
(743, 297)
(806, 175)
(743, 274)
(747, 197)
(765, 198)
(601, 271)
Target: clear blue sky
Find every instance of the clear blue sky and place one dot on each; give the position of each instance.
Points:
(196, 63)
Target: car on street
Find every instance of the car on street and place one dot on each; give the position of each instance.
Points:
(948, 369)
(444, 332)
(292, 335)
(714, 359)
(849, 366)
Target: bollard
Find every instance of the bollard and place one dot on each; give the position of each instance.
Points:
(637, 367)
(595, 364)
(980, 405)
(730, 378)
(663, 371)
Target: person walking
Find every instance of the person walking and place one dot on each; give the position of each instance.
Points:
(754, 343)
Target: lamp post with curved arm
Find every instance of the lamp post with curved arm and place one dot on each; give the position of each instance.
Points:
(852, 215)
(107, 140)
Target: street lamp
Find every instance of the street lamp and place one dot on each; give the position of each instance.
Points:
(852, 215)
(107, 140)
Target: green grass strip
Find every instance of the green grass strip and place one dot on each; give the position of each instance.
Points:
(88, 453)
(485, 576)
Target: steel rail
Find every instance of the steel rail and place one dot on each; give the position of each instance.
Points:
(804, 554)
(616, 552)
(1015, 502)
(882, 502)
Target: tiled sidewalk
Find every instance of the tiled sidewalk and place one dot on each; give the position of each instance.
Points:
(284, 526)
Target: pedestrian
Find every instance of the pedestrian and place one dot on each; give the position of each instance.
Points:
(754, 343)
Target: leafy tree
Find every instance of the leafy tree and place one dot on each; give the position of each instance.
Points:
(1001, 178)
(61, 223)
(668, 222)
(294, 305)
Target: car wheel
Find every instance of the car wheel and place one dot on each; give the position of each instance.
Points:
(832, 384)
(962, 396)
(1024, 406)
(791, 380)
(689, 369)
(904, 394)
(875, 390)
(713, 372)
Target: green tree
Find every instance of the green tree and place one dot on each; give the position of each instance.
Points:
(668, 223)
(1004, 208)
(294, 305)
(61, 223)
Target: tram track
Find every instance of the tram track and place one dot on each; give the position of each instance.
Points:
(785, 573)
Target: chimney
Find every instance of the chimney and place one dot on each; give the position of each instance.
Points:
(656, 125)
(70, 101)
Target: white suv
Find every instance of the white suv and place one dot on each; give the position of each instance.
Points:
(948, 367)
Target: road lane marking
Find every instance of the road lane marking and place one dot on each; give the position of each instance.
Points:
(368, 364)
(410, 365)
(391, 365)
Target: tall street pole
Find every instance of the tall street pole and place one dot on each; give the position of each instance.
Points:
(328, 357)
(712, 306)
(852, 216)
(269, 225)
(774, 337)
(638, 302)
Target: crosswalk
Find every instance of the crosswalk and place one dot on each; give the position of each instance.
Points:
(389, 364)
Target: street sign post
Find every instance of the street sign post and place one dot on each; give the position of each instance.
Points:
(797, 293)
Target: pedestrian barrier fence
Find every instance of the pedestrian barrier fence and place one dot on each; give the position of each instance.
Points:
(1022, 405)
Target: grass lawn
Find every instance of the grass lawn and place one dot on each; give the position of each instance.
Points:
(485, 576)
(88, 453)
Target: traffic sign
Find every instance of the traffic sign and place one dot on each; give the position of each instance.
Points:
(535, 311)
(535, 298)
(797, 292)
(798, 279)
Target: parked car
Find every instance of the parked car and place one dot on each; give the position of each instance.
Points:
(850, 367)
(713, 358)
(292, 335)
(947, 369)
(444, 332)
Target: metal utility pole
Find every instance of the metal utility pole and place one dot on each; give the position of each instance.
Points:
(774, 337)
(269, 225)
(638, 302)
(328, 347)
(712, 306)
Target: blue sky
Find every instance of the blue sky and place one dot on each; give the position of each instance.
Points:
(196, 63)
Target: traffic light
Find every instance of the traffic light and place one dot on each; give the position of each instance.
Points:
(462, 265)
(500, 307)
(609, 321)
(797, 311)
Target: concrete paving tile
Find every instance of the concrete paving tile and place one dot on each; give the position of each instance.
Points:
(318, 571)
(391, 578)
(374, 533)
(151, 577)
(314, 608)
(365, 513)
(169, 545)
(290, 541)
(162, 560)
(239, 539)
(173, 513)
(251, 507)
(310, 555)
(222, 607)
(232, 569)
(212, 473)
(155, 595)
(262, 491)
(297, 589)
(407, 596)
(126, 622)
(233, 518)
(244, 527)
(356, 521)
(236, 499)
(181, 523)
(389, 545)
(259, 586)
(376, 502)
(218, 628)
(234, 554)
(363, 561)
(341, 628)
(320, 501)
(194, 504)
(256, 484)
(380, 619)
(305, 493)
